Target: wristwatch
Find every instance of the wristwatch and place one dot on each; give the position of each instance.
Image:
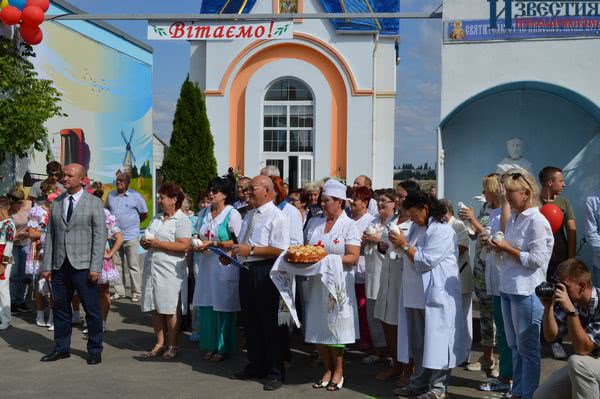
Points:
(573, 312)
(405, 248)
(252, 248)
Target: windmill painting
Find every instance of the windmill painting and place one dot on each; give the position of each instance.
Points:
(129, 159)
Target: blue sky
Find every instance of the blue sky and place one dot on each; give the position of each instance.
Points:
(418, 75)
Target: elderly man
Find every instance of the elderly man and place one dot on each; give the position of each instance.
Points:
(130, 209)
(73, 254)
(365, 181)
(264, 235)
(270, 170)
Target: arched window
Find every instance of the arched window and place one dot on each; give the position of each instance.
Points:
(288, 130)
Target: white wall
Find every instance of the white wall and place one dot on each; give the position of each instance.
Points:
(210, 60)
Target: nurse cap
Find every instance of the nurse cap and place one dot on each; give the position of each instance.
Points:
(335, 189)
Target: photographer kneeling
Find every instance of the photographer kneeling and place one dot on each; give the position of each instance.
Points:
(572, 306)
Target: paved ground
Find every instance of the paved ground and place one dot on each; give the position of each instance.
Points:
(123, 374)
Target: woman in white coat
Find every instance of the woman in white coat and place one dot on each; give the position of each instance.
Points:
(430, 316)
(216, 293)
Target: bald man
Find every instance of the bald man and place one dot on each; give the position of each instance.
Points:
(73, 255)
(265, 234)
(365, 181)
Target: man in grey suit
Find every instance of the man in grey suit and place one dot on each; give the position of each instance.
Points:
(73, 256)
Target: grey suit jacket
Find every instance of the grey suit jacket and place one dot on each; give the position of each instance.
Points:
(82, 240)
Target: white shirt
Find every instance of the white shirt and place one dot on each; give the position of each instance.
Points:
(592, 225)
(76, 198)
(492, 259)
(271, 229)
(529, 232)
(362, 224)
(373, 209)
(295, 223)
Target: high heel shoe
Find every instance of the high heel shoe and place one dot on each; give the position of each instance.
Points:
(332, 386)
(170, 354)
(320, 384)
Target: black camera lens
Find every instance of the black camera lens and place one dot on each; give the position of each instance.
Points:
(545, 290)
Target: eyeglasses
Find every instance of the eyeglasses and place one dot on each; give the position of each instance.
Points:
(382, 201)
(517, 175)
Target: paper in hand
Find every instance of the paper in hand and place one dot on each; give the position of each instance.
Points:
(224, 254)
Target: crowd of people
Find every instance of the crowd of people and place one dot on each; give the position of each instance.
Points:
(398, 279)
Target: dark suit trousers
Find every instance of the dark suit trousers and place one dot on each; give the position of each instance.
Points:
(65, 281)
(259, 300)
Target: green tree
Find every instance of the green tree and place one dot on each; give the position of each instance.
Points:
(134, 172)
(190, 160)
(26, 102)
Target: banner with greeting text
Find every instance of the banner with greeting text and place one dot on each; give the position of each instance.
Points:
(193, 30)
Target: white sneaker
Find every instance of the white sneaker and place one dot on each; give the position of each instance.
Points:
(116, 296)
(4, 326)
(135, 297)
(558, 351)
(40, 323)
(51, 327)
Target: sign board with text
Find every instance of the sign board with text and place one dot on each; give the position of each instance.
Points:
(184, 30)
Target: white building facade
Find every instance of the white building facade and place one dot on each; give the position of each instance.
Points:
(316, 105)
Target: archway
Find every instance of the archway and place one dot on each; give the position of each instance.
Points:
(558, 126)
(307, 54)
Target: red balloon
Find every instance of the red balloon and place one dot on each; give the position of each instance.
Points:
(32, 15)
(554, 216)
(43, 4)
(10, 15)
(31, 34)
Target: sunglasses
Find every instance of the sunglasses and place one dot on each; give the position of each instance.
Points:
(518, 175)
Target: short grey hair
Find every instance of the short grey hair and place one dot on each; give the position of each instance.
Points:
(270, 170)
(124, 176)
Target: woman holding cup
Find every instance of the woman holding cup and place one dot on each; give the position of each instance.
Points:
(431, 295)
(216, 293)
(164, 286)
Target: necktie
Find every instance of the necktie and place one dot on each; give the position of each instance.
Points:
(70, 209)
(248, 232)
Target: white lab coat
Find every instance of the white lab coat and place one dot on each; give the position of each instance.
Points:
(436, 259)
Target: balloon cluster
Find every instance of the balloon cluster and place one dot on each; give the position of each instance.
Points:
(29, 14)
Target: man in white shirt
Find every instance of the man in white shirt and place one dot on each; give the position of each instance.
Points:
(365, 181)
(264, 235)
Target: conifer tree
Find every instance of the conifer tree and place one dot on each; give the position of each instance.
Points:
(190, 160)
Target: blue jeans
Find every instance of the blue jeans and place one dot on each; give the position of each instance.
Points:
(596, 275)
(17, 275)
(522, 324)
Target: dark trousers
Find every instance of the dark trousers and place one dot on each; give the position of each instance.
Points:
(65, 281)
(259, 300)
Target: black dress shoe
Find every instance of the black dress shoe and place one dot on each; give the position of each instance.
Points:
(54, 356)
(14, 309)
(23, 308)
(273, 385)
(94, 358)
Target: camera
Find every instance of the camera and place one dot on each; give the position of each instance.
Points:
(545, 290)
